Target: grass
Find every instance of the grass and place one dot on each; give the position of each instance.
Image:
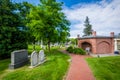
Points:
(4, 65)
(105, 68)
(30, 48)
(53, 69)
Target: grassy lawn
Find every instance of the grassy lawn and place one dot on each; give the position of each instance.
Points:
(53, 69)
(105, 68)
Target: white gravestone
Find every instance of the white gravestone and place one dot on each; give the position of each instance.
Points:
(34, 59)
(37, 59)
(41, 56)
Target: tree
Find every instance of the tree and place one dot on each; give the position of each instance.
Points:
(48, 22)
(23, 9)
(7, 20)
(11, 37)
(73, 41)
(88, 27)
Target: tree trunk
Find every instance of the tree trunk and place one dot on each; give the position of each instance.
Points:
(49, 46)
(34, 45)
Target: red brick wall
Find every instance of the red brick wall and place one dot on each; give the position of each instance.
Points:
(99, 45)
(105, 45)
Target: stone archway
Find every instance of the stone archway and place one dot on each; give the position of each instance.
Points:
(86, 44)
(103, 47)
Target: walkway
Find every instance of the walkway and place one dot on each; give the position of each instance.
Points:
(79, 69)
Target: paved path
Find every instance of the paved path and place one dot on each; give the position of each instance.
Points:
(79, 69)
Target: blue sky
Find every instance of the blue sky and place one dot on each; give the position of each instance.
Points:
(70, 3)
(103, 14)
(67, 3)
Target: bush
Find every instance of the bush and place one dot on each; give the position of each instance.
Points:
(10, 41)
(79, 51)
(76, 50)
(70, 49)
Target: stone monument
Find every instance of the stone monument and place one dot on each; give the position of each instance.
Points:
(41, 56)
(18, 58)
(34, 58)
(37, 59)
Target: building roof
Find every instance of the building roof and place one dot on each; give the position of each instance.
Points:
(91, 37)
(117, 36)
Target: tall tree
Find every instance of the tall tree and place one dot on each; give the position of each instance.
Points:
(48, 22)
(11, 37)
(22, 10)
(88, 27)
(7, 20)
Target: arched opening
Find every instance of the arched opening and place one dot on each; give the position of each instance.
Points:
(103, 47)
(85, 45)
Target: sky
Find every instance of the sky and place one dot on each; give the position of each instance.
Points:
(104, 15)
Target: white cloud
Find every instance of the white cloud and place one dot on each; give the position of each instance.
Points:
(104, 17)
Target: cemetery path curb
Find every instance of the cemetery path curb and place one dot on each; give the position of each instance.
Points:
(79, 69)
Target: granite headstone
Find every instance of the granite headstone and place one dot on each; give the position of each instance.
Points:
(18, 58)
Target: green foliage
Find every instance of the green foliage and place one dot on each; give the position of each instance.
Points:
(88, 27)
(23, 9)
(72, 40)
(19, 40)
(11, 37)
(79, 51)
(105, 68)
(70, 49)
(31, 49)
(48, 22)
(53, 69)
(76, 50)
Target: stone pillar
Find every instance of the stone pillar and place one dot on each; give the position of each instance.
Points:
(112, 45)
(115, 45)
(94, 33)
(78, 37)
(112, 34)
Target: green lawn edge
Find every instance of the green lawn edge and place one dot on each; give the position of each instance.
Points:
(105, 68)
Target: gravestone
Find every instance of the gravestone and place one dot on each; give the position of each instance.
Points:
(18, 58)
(41, 56)
(37, 59)
(34, 59)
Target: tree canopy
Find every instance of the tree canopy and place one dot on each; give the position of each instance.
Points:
(48, 22)
(11, 37)
(88, 27)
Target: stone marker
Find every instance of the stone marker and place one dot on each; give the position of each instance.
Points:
(41, 56)
(18, 58)
(34, 59)
(37, 59)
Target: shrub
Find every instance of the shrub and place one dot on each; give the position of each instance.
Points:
(76, 50)
(70, 49)
(79, 51)
(10, 41)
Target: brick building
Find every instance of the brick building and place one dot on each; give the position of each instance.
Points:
(97, 44)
